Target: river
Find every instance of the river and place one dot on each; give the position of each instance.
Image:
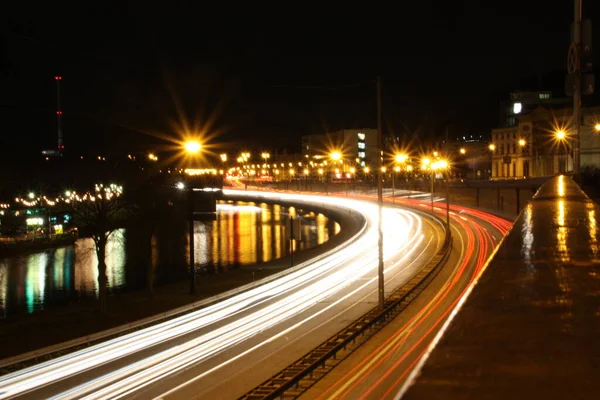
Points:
(243, 233)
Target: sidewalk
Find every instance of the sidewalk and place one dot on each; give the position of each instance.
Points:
(56, 325)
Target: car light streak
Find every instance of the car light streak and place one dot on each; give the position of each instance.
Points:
(312, 316)
(240, 317)
(476, 248)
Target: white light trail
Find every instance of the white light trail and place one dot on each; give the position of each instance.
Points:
(239, 317)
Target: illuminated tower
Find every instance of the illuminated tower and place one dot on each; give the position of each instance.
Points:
(59, 113)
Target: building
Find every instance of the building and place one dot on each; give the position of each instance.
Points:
(540, 143)
(357, 146)
(469, 156)
(522, 102)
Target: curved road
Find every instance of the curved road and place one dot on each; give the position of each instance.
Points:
(225, 349)
(381, 368)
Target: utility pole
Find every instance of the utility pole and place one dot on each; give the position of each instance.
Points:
(380, 191)
(59, 113)
(577, 88)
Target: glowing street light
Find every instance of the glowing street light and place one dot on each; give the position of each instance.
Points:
(522, 142)
(31, 195)
(492, 147)
(463, 150)
(192, 146)
(336, 156)
(223, 157)
(440, 165)
(597, 127)
(560, 135)
(400, 158)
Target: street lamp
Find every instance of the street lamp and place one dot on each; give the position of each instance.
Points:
(597, 127)
(463, 151)
(192, 146)
(522, 142)
(400, 159)
(561, 137)
(441, 165)
(492, 147)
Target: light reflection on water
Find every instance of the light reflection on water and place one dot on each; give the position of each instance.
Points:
(243, 234)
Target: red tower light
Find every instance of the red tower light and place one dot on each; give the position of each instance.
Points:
(58, 78)
(59, 113)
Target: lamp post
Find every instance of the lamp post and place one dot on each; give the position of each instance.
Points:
(492, 148)
(441, 165)
(399, 159)
(561, 137)
(192, 148)
(425, 164)
(522, 144)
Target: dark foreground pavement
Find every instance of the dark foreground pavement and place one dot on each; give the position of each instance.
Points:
(531, 326)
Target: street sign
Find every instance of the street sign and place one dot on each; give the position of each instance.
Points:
(586, 44)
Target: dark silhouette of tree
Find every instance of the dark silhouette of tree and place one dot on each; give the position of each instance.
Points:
(149, 206)
(98, 214)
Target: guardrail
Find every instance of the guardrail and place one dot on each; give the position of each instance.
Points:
(314, 365)
(50, 352)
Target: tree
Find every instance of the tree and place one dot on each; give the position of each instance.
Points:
(153, 205)
(98, 214)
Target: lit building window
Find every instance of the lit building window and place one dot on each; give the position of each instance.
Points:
(361, 145)
(361, 154)
(517, 108)
(361, 136)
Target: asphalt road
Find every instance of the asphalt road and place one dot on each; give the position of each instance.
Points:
(381, 367)
(226, 349)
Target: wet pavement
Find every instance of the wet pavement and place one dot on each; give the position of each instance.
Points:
(531, 326)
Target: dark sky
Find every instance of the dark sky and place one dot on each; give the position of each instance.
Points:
(266, 74)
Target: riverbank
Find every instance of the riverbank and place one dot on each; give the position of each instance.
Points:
(56, 325)
(18, 247)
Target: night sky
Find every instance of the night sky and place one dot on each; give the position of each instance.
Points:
(266, 74)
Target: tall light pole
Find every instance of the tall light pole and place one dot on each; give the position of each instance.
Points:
(192, 148)
(380, 192)
(60, 145)
(577, 87)
(399, 159)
